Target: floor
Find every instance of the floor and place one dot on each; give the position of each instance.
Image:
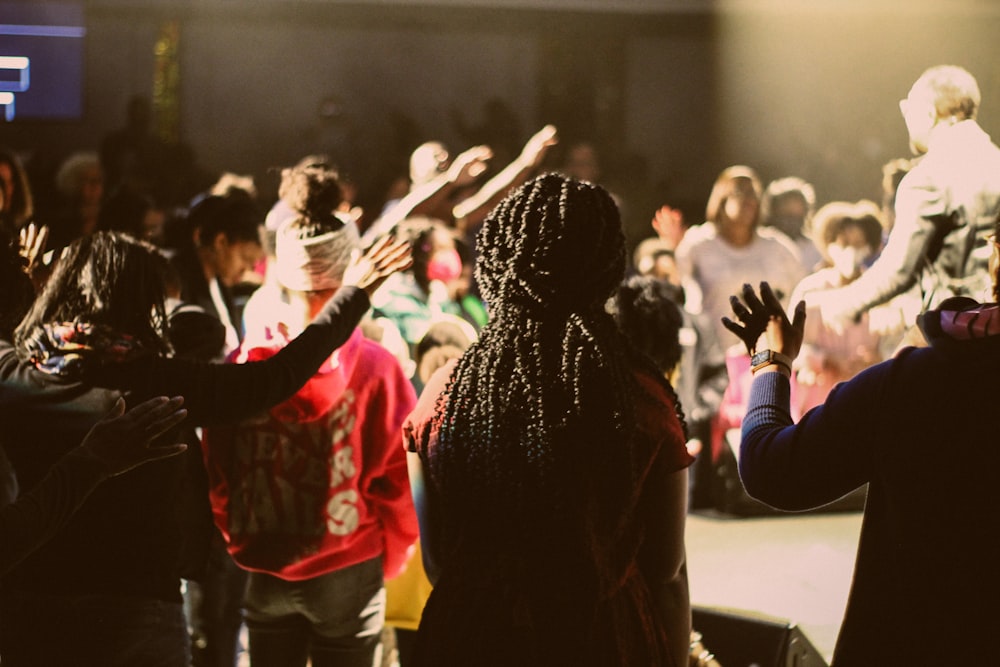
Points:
(794, 566)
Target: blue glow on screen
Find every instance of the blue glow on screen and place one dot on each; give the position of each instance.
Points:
(41, 60)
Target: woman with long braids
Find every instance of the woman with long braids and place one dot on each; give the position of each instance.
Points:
(548, 462)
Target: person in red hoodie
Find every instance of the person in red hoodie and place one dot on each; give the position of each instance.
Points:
(313, 496)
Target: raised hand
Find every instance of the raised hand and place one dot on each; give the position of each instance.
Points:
(387, 256)
(765, 316)
(469, 165)
(31, 244)
(538, 145)
(752, 317)
(121, 440)
(669, 225)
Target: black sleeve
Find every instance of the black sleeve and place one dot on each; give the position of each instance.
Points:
(226, 393)
(39, 514)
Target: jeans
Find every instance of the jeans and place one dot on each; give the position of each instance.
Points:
(98, 630)
(214, 609)
(334, 619)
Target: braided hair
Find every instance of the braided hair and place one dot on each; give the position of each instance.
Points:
(538, 419)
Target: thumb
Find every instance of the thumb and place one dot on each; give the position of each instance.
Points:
(117, 410)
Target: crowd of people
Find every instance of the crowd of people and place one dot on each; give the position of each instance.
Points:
(469, 414)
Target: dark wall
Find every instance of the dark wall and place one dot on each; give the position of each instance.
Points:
(670, 97)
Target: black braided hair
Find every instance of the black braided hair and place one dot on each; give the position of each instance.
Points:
(537, 428)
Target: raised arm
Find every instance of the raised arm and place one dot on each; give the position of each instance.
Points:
(430, 197)
(470, 213)
(116, 444)
(920, 226)
(226, 393)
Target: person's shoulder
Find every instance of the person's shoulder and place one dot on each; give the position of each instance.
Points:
(697, 235)
(775, 238)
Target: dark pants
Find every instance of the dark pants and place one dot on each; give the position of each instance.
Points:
(335, 619)
(214, 608)
(92, 630)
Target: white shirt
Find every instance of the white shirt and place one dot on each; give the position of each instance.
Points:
(712, 270)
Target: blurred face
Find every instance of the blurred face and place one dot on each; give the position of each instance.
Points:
(789, 215)
(740, 209)
(233, 259)
(91, 186)
(920, 117)
(444, 263)
(152, 225)
(849, 251)
(317, 299)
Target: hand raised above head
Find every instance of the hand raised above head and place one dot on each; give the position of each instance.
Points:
(387, 256)
(538, 145)
(765, 316)
(469, 165)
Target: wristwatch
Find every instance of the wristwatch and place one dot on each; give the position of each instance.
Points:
(768, 357)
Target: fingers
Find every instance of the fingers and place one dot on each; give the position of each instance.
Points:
(799, 319)
(770, 300)
(753, 303)
(154, 417)
(738, 308)
(153, 409)
(116, 411)
(394, 257)
(165, 451)
(377, 247)
(735, 327)
(161, 426)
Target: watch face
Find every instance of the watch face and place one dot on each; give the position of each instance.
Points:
(761, 357)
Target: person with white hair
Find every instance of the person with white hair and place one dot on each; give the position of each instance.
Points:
(312, 496)
(945, 206)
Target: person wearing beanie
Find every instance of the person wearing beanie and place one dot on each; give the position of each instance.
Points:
(312, 496)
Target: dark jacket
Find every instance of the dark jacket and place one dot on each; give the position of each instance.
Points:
(921, 430)
(125, 539)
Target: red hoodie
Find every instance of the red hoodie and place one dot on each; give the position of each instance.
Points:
(319, 483)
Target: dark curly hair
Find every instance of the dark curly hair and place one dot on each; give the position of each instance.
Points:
(539, 416)
(312, 190)
(648, 313)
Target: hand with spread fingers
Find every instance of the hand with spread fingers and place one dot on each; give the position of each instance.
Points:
(765, 316)
(122, 440)
(387, 256)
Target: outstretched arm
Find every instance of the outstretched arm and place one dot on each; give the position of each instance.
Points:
(470, 213)
(119, 442)
(799, 466)
(920, 225)
(226, 393)
(430, 197)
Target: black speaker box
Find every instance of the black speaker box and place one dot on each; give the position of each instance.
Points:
(748, 639)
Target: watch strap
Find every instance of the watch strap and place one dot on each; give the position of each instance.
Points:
(766, 358)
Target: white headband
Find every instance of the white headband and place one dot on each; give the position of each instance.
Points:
(315, 263)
